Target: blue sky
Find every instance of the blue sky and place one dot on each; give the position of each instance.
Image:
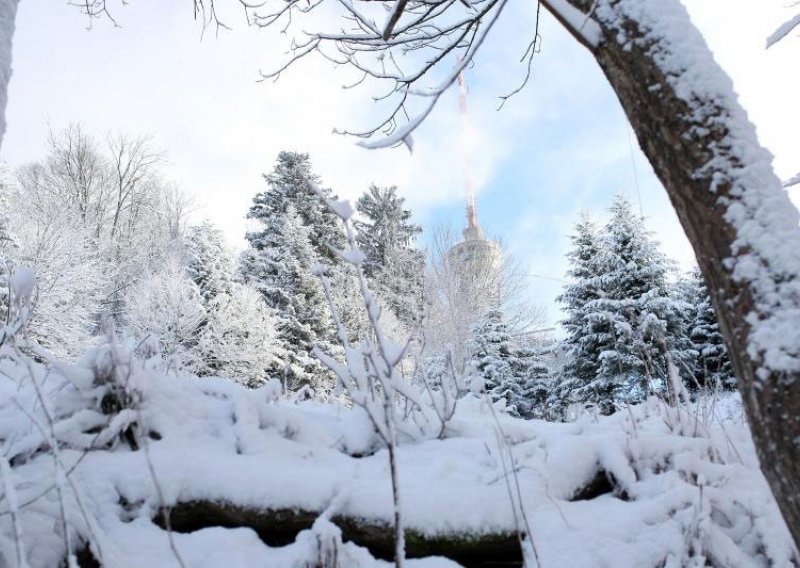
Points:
(560, 146)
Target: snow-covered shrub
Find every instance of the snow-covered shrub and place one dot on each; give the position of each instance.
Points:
(168, 306)
(238, 340)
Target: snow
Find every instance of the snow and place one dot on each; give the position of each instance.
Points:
(677, 471)
(784, 30)
(8, 11)
(22, 283)
(765, 256)
(578, 21)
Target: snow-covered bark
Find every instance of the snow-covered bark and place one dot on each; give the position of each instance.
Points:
(8, 12)
(783, 30)
(744, 230)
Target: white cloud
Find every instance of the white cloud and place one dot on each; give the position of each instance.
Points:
(564, 139)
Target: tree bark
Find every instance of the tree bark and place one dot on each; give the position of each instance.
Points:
(8, 14)
(279, 527)
(680, 144)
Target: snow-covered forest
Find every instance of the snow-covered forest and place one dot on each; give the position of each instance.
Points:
(348, 387)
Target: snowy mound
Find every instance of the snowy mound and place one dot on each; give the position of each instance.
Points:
(110, 454)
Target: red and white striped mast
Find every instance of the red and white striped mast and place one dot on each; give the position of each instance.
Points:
(472, 210)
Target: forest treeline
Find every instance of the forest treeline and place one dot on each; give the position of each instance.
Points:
(111, 243)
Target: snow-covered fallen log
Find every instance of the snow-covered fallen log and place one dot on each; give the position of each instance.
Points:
(280, 527)
(653, 486)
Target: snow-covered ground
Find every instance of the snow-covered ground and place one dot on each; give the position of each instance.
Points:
(648, 486)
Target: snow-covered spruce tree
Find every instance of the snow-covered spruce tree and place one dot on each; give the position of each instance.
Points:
(209, 263)
(238, 340)
(711, 364)
(167, 305)
(633, 297)
(494, 360)
(291, 183)
(587, 329)
(278, 264)
(395, 267)
(536, 382)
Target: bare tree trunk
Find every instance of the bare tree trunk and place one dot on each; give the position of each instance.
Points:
(693, 140)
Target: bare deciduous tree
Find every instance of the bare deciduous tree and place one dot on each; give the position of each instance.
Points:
(457, 301)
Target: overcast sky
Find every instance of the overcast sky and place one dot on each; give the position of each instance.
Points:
(560, 146)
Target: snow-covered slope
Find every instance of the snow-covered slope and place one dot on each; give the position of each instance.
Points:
(652, 486)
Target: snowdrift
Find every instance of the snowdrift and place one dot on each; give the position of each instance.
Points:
(111, 462)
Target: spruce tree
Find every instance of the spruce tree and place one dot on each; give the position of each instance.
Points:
(299, 231)
(712, 365)
(634, 299)
(386, 236)
(536, 384)
(292, 183)
(209, 263)
(494, 360)
(588, 330)
(278, 264)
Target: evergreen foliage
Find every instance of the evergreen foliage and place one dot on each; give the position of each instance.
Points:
(536, 385)
(587, 333)
(387, 236)
(278, 264)
(292, 183)
(622, 324)
(494, 360)
(712, 366)
(209, 263)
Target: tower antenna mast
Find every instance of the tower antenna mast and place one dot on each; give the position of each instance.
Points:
(472, 210)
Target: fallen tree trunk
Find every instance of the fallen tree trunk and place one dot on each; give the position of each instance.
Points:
(279, 527)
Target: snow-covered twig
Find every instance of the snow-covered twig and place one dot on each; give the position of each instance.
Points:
(13, 505)
(370, 374)
(792, 181)
(784, 30)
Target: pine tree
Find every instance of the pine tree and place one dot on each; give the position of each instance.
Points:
(386, 236)
(210, 264)
(278, 264)
(494, 360)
